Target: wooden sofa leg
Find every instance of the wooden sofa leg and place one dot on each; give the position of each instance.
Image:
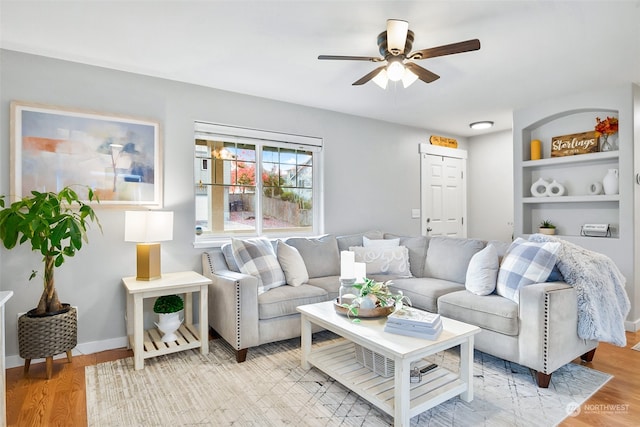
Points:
(588, 356)
(543, 380)
(241, 355)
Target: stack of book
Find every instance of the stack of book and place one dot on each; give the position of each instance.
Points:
(414, 323)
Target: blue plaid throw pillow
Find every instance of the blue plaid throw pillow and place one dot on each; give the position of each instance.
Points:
(525, 263)
(257, 258)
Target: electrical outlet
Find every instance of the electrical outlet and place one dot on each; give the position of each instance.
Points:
(415, 213)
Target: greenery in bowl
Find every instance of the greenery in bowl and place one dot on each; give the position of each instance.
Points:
(371, 295)
(168, 304)
(547, 224)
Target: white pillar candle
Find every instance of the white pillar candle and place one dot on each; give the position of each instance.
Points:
(347, 265)
(361, 271)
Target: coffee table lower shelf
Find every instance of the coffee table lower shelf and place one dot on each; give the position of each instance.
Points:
(338, 361)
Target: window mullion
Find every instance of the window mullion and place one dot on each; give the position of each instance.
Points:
(259, 190)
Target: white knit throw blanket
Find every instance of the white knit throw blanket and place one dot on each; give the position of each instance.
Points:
(603, 303)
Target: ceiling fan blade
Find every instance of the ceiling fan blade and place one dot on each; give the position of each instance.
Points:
(424, 75)
(351, 58)
(396, 35)
(448, 49)
(368, 77)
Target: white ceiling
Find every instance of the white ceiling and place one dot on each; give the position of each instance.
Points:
(531, 50)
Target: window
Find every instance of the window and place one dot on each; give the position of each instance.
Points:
(250, 183)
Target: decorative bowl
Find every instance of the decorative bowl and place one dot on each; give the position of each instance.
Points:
(364, 312)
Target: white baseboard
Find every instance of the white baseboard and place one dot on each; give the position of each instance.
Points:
(81, 349)
(632, 326)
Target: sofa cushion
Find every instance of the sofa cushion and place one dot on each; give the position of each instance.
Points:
(331, 284)
(282, 301)
(491, 312)
(424, 292)
(320, 254)
(292, 264)
(227, 252)
(384, 260)
(257, 258)
(346, 241)
(448, 257)
(417, 247)
(524, 264)
(387, 243)
(482, 273)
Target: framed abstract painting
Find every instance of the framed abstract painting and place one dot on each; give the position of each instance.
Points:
(119, 157)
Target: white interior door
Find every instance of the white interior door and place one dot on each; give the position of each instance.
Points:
(443, 198)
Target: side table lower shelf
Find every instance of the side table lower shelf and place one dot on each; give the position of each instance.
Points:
(338, 361)
(188, 338)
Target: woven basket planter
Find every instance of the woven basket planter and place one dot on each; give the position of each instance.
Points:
(41, 337)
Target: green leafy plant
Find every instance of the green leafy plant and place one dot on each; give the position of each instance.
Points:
(55, 224)
(372, 294)
(168, 304)
(547, 224)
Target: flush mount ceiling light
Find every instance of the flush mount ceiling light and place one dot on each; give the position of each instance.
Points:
(481, 125)
(394, 46)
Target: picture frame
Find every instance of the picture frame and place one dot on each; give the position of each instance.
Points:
(119, 157)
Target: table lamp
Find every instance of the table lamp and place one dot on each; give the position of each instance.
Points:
(147, 228)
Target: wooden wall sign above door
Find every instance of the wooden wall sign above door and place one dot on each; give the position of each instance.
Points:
(443, 142)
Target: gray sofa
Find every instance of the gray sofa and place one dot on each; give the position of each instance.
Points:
(539, 332)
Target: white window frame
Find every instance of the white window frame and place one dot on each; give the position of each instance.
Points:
(260, 138)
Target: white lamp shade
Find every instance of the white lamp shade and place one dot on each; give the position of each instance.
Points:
(395, 71)
(381, 79)
(408, 78)
(396, 35)
(148, 226)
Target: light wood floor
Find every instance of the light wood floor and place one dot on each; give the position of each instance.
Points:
(61, 401)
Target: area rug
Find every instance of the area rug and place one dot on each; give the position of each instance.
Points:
(271, 389)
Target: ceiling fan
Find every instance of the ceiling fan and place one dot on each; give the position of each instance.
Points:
(395, 47)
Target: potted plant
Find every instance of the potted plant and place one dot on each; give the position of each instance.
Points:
(55, 225)
(373, 299)
(547, 227)
(168, 308)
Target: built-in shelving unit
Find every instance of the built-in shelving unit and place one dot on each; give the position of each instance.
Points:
(575, 114)
(575, 173)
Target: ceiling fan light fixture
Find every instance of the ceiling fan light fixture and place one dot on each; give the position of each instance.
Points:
(395, 71)
(396, 35)
(381, 79)
(485, 124)
(408, 78)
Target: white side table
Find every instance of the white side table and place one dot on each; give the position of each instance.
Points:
(148, 343)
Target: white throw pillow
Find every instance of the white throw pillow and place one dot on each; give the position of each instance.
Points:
(292, 264)
(379, 243)
(384, 260)
(525, 263)
(482, 272)
(257, 258)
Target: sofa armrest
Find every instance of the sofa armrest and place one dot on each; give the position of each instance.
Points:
(233, 304)
(549, 327)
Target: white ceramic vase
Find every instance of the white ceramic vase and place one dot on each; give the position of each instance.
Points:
(168, 324)
(539, 188)
(610, 182)
(595, 189)
(555, 189)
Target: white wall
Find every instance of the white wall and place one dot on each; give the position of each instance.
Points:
(490, 186)
(371, 178)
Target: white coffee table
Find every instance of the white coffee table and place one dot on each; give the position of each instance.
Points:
(395, 395)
